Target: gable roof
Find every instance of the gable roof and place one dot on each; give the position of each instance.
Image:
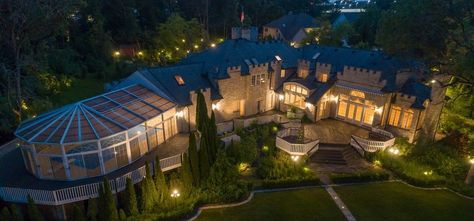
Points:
(94, 118)
(290, 24)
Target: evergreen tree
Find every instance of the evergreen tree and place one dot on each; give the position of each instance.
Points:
(149, 195)
(201, 112)
(212, 136)
(33, 212)
(5, 214)
(108, 210)
(203, 159)
(160, 182)
(176, 184)
(92, 210)
(122, 215)
(185, 172)
(130, 199)
(78, 214)
(194, 159)
(16, 213)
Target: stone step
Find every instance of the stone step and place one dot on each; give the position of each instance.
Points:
(329, 155)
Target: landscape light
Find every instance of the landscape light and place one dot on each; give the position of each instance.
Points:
(183, 40)
(471, 160)
(117, 53)
(140, 53)
(377, 163)
(175, 193)
(295, 158)
(213, 45)
(394, 151)
(196, 46)
(433, 81)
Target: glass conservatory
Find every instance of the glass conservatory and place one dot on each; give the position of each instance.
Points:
(98, 135)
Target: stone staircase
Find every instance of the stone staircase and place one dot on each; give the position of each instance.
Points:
(329, 154)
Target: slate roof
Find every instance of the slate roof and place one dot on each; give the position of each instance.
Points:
(418, 89)
(290, 24)
(240, 52)
(162, 80)
(373, 60)
(96, 117)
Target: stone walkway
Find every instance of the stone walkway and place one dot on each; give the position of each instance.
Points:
(347, 213)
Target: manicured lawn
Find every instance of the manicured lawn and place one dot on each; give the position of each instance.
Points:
(397, 201)
(308, 204)
(80, 89)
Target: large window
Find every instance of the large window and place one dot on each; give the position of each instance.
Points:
(355, 109)
(399, 117)
(295, 95)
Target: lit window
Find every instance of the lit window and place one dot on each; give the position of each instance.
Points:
(358, 94)
(407, 119)
(282, 73)
(341, 111)
(179, 80)
(394, 118)
(369, 115)
(324, 78)
(253, 80)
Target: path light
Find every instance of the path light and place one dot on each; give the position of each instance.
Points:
(140, 53)
(265, 148)
(394, 151)
(306, 169)
(433, 81)
(175, 193)
(377, 163)
(213, 45)
(196, 46)
(295, 158)
(117, 53)
(428, 173)
(471, 160)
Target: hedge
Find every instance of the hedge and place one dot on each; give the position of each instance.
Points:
(290, 182)
(359, 177)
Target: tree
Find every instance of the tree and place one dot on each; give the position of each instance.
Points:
(78, 214)
(27, 24)
(130, 204)
(122, 215)
(212, 136)
(34, 213)
(149, 195)
(160, 182)
(108, 209)
(194, 159)
(16, 213)
(204, 164)
(92, 209)
(5, 214)
(202, 117)
(185, 172)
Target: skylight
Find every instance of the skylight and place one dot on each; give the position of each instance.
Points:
(278, 57)
(179, 80)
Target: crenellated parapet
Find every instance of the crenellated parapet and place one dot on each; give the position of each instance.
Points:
(362, 77)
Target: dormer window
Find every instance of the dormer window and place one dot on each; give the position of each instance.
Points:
(324, 78)
(179, 80)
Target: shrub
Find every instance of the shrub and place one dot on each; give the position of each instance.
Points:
(280, 166)
(364, 176)
(291, 182)
(412, 172)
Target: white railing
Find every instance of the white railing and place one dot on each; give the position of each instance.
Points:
(82, 192)
(369, 145)
(295, 148)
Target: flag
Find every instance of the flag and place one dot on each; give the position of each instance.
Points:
(242, 16)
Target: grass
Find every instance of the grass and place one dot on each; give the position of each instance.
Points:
(305, 204)
(80, 89)
(397, 201)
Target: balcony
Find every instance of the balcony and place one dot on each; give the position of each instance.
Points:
(291, 141)
(378, 140)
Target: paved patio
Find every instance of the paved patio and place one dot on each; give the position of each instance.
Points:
(14, 174)
(335, 131)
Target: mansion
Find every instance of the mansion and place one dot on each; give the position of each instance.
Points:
(114, 133)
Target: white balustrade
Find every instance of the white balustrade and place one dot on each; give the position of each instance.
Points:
(82, 192)
(294, 148)
(369, 145)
